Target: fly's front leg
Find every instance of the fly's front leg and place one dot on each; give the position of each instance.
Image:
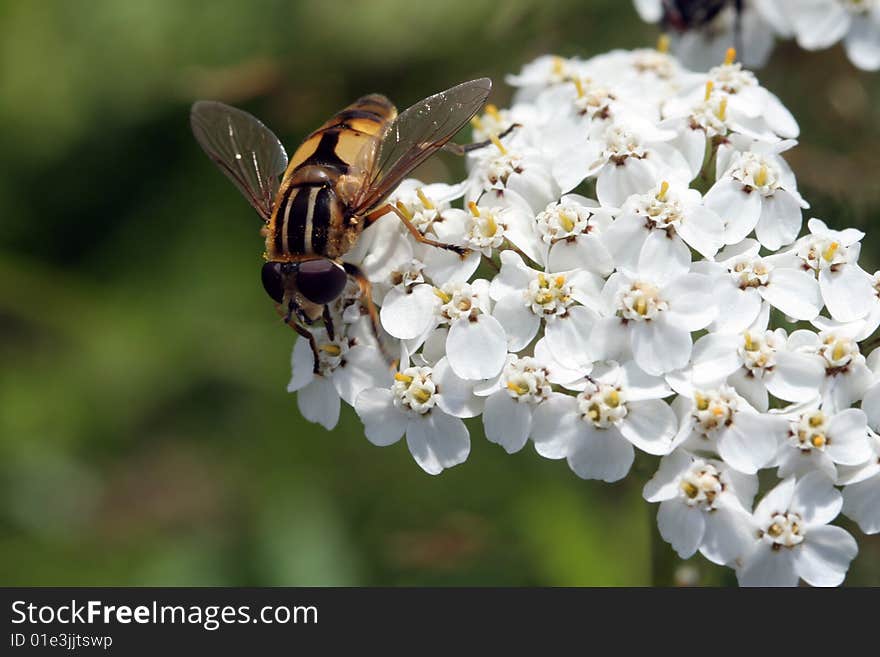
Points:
(367, 297)
(328, 323)
(304, 332)
(464, 149)
(415, 232)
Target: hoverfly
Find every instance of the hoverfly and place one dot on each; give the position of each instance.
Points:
(685, 15)
(315, 206)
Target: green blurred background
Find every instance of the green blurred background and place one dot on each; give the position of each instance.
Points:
(146, 437)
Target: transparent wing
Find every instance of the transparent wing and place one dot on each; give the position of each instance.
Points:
(244, 149)
(416, 134)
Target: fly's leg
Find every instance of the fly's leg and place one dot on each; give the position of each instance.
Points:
(367, 298)
(464, 149)
(415, 232)
(328, 323)
(302, 330)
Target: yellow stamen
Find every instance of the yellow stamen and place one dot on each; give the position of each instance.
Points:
(613, 399)
(818, 440)
(421, 395)
(730, 56)
(717, 411)
(816, 420)
(642, 306)
(424, 199)
(664, 187)
(560, 281)
(689, 489)
(445, 298)
(332, 349)
(403, 209)
(774, 530)
(828, 253)
(761, 176)
(476, 124)
(490, 228)
(702, 402)
(542, 280)
(593, 413)
(558, 64)
(403, 378)
(709, 86)
(579, 86)
(749, 344)
(663, 43)
(492, 111)
(518, 388)
(839, 351)
(722, 110)
(494, 139)
(473, 208)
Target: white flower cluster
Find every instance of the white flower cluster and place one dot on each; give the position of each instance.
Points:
(815, 24)
(635, 274)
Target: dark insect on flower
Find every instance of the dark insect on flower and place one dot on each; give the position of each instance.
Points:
(685, 15)
(336, 184)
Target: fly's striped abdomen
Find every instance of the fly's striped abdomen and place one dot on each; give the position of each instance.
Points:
(338, 142)
(308, 217)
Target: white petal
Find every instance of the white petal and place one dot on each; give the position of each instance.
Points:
(663, 485)
(364, 367)
(519, 322)
(848, 438)
(775, 501)
(729, 535)
(715, 357)
(847, 292)
(681, 526)
(555, 423)
(437, 441)
(780, 220)
(383, 423)
(600, 454)
(871, 406)
(662, 259)
(816, 499)
(585, 251)
(691, 306)
(624, 239)
(750, 443)
(456, 396)
(796, 376)
(766, 567)
(796, 293)
(507, 422)
(406, 315)
(650, 425)
(610, 340)
(861, 502)
(318, 402)
(825, 555)
(703, 231)
(660, 346)
(737, 308)
(617, 182)
(863, 43)
(476, 349)
(302, 365)
(819, 25)
(738, 210)
(568, 337)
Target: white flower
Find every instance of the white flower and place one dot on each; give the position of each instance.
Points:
(676, 218)
(745, 279)
(507, 418)
(572, 233)
(525, 298)
(822, 23)
(347, 365)
(633, 159)
(652, 312)
(758, 362)
(703, 506)
(756, 190)
(861, 495)
(847, 376)
(426, 405)
(818, 440)
(718, 421)
(597, 429)
(793, 538)
(832, 256)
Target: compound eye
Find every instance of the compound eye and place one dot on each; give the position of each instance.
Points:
(321, 281)
(273, 280)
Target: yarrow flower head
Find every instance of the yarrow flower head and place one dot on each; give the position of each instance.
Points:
(631, 284)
